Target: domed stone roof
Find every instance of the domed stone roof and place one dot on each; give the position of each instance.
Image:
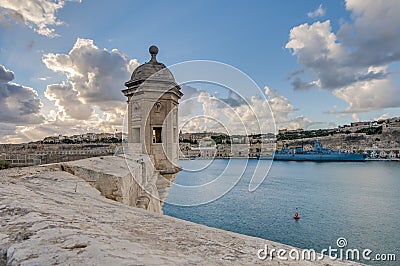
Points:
(152, 69)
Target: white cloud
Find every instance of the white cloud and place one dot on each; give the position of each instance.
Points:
(201, 110)
(355, 117)
(318, 51)
(383, 117)
(36, 14)
(237, 115)
(88, 100)
(352, 63)
(319, 12)
(94, 80)
(280, 105)
(301, 122)
(364, 96)
(67, 99)
(283, 111)
(56, 127)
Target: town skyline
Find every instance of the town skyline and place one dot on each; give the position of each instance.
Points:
(318, 64)
(392, 123)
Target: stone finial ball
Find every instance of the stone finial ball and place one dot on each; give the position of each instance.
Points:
(153, 49)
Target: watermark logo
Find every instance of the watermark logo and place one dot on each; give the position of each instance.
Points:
(339, 252)
(341, 242)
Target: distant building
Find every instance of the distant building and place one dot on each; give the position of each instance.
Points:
(282, 131)
(285, 130)
(391, 128)
(355, 126)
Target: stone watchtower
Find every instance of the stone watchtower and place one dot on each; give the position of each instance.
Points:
(153, 97)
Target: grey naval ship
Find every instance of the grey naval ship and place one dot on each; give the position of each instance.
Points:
(318, 154)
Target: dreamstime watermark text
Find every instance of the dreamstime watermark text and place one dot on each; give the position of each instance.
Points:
(338, 252)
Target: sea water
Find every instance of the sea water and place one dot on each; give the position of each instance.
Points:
(358, 201)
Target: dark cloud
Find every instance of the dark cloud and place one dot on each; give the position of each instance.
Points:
(375, 33)
(5, 74)
(232, 100)
(15, 15)
(372, 75)
(188, 100)
(295, 73)
(191, 96)
(189, 92)
(5, 131)
(31, 45)
(19, 104)
(299, 84)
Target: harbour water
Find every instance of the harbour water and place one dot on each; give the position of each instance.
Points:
(359, 201)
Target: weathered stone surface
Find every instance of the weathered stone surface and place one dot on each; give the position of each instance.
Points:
(125, 179)
(49, 216)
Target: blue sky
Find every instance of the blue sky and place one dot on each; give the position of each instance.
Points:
(253, 36)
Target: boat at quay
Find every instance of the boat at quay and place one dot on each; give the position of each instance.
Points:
(318, 154)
